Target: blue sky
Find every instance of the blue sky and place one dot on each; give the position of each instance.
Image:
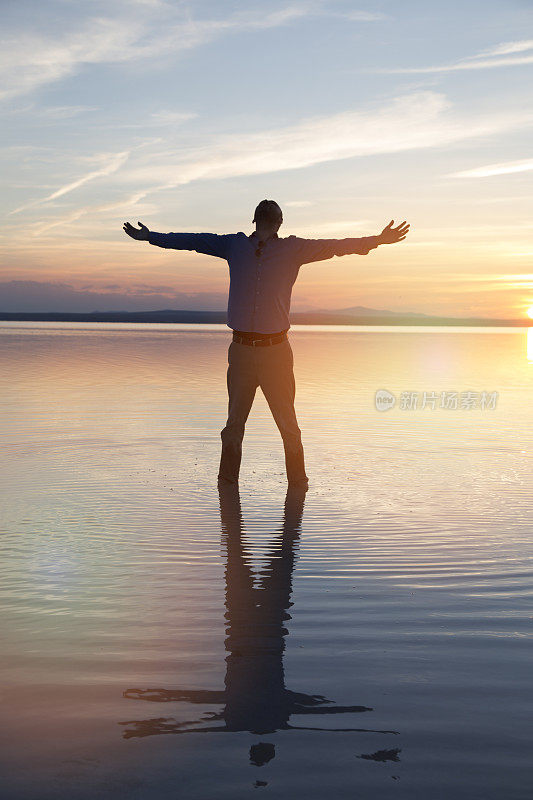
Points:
(185, 114)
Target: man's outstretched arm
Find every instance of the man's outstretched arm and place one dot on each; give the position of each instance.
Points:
(212, 244)
(321, 249)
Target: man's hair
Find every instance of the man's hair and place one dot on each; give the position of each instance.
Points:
(268, 211)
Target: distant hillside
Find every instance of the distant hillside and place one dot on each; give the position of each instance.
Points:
(362, 311)
(357, 315)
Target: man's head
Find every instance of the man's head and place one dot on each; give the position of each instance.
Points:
(268, 215)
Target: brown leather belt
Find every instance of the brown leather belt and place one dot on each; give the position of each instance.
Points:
(259, 339)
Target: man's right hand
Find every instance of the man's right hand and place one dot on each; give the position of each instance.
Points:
(141, 234)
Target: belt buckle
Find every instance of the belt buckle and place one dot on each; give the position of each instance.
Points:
(254, 341)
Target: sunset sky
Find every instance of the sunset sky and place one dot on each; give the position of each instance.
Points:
(185, 115)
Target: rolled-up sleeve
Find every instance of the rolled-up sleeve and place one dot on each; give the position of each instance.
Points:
(211, 244)
(308, 250)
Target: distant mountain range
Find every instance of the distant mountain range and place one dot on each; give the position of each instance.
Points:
(357, 311)
(355, 315)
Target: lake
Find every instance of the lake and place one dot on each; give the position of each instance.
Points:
(162, 639)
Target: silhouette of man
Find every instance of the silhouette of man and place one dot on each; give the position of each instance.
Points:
(263, 268)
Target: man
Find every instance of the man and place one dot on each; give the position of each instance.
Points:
(263, 268)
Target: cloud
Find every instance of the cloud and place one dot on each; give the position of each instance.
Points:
(410, 122)
(29, 60)
(249, 19)
(337, 228)
(361, 16)
(414, 121)
(495, 169)
(507, 47)
(114, 163)
(522, 276)
(479, 61)
(51, 113)
(124, 205)
(44, 296)
(169, 117)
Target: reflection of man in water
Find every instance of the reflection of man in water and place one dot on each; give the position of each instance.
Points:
(263, 268)
(255, 698)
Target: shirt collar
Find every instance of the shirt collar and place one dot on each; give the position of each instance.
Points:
(254, 236)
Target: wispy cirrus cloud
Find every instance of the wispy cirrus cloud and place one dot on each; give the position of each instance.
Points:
(360, 16)
(488, 170)
(126, 205)
(332, 229)
(29, 60)
(114, 162)
(170, 117)
(486, 59)
(50, 113)
(507, 47)
(414, 121)
(410, 122)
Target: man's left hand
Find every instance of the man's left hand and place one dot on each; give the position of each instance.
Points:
(390, 235)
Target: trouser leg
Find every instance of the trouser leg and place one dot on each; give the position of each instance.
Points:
(242, 384)
(276, 378)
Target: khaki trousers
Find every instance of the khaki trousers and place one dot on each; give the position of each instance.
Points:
(271, 368)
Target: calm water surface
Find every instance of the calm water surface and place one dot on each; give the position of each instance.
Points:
(370, 639)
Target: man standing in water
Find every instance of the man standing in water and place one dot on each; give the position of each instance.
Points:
(263, 268)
